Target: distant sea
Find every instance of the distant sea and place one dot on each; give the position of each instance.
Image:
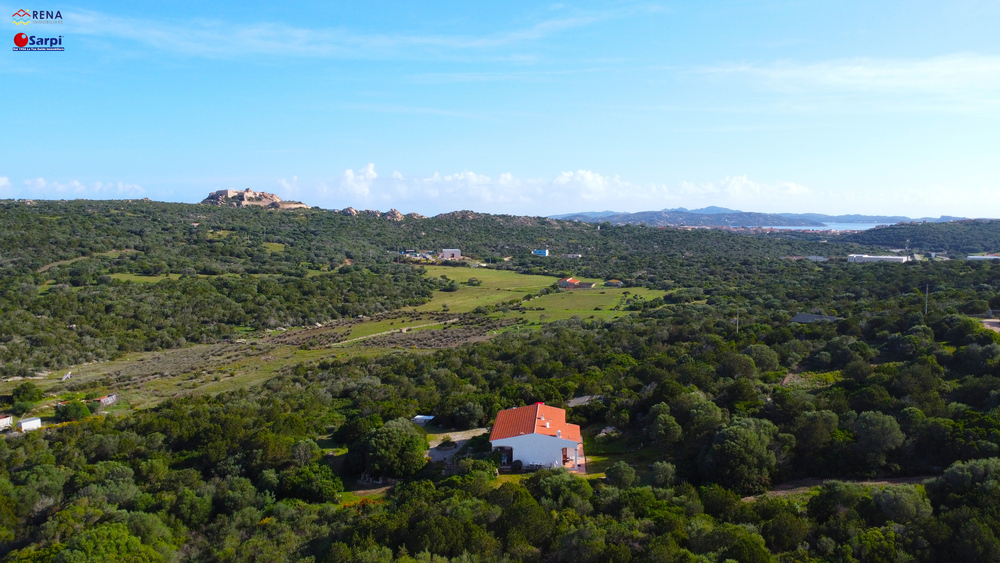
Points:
(835, 227)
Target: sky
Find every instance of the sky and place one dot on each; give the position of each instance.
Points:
(889, 107)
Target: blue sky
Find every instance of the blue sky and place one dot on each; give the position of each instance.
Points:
(846, 107)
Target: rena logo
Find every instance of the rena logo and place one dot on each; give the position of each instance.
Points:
(21, 39)
(22, 17)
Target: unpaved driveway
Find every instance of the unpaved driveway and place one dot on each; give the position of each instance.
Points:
(460, 438)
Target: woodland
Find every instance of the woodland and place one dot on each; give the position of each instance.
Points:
(709, 401)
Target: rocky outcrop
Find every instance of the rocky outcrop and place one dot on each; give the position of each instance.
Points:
(464, 214)
(394, 215)
(349, 211)
(250, 198)
(372, 212)
(415, 216)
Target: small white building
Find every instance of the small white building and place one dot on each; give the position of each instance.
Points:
(451, 254)
(539, 437)
(27, 424)
(858, 258)
(987, 257)
(6, 421)
(422, 419)
(540, 252)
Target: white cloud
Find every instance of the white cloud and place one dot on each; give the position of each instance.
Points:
(564, 192)
(957, 81)
(358, 183)
(43, 189)
(214, 38)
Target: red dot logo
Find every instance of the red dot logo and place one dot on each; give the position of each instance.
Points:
(21, 39)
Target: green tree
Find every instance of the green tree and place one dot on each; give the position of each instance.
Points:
(27, 392)
(73, 410)
(877, 435)
(621, 475)
(396, 449)
(743, 455)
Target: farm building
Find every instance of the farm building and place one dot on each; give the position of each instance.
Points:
(108, 400)
(451, 254)
(539, 437)
(26, 424)
(987, 257)
(540, 252)
(614, 283)
(586, 285)
(572, 255)
(858, 258)
(568, 283)
(6, 421)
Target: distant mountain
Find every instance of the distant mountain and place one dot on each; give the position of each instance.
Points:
(709, 217)
(714, 216)
(588, 214)
(886, 219)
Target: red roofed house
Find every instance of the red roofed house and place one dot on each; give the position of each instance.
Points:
(538, 436)
(568, 283)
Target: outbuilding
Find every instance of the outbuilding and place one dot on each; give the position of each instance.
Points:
(6, 421)
(27, 424)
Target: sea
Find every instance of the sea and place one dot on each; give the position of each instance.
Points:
(835, 227)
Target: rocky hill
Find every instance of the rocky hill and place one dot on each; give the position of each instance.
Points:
(248, 197)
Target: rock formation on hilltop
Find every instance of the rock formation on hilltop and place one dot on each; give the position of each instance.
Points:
(248, 197)
(394, 215)
(349, 211)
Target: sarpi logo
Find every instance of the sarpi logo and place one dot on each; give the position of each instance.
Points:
(25, 42)
(24, 17)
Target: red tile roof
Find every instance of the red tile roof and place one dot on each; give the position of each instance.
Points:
(570, 280)
(531, 419)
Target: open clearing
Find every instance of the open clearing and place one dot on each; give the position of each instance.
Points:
(144, 379)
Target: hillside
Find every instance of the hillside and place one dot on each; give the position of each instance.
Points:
(266, 365)
(958, 237)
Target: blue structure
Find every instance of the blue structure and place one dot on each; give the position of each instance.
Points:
(540, 252)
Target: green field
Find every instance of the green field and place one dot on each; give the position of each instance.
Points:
(146, 378)
(504, 285)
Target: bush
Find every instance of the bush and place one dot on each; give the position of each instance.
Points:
(27, 392)
(664, 473)
(621, 475)
(73, 410)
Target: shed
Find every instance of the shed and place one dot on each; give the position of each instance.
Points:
(27, 424)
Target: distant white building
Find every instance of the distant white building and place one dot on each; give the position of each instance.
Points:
(6, 421)
(987, 257)
(27, 424)
(422, 419)
(817, 258)
(572, 255)
(540, 252)
(451, 254)
(857, 258)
